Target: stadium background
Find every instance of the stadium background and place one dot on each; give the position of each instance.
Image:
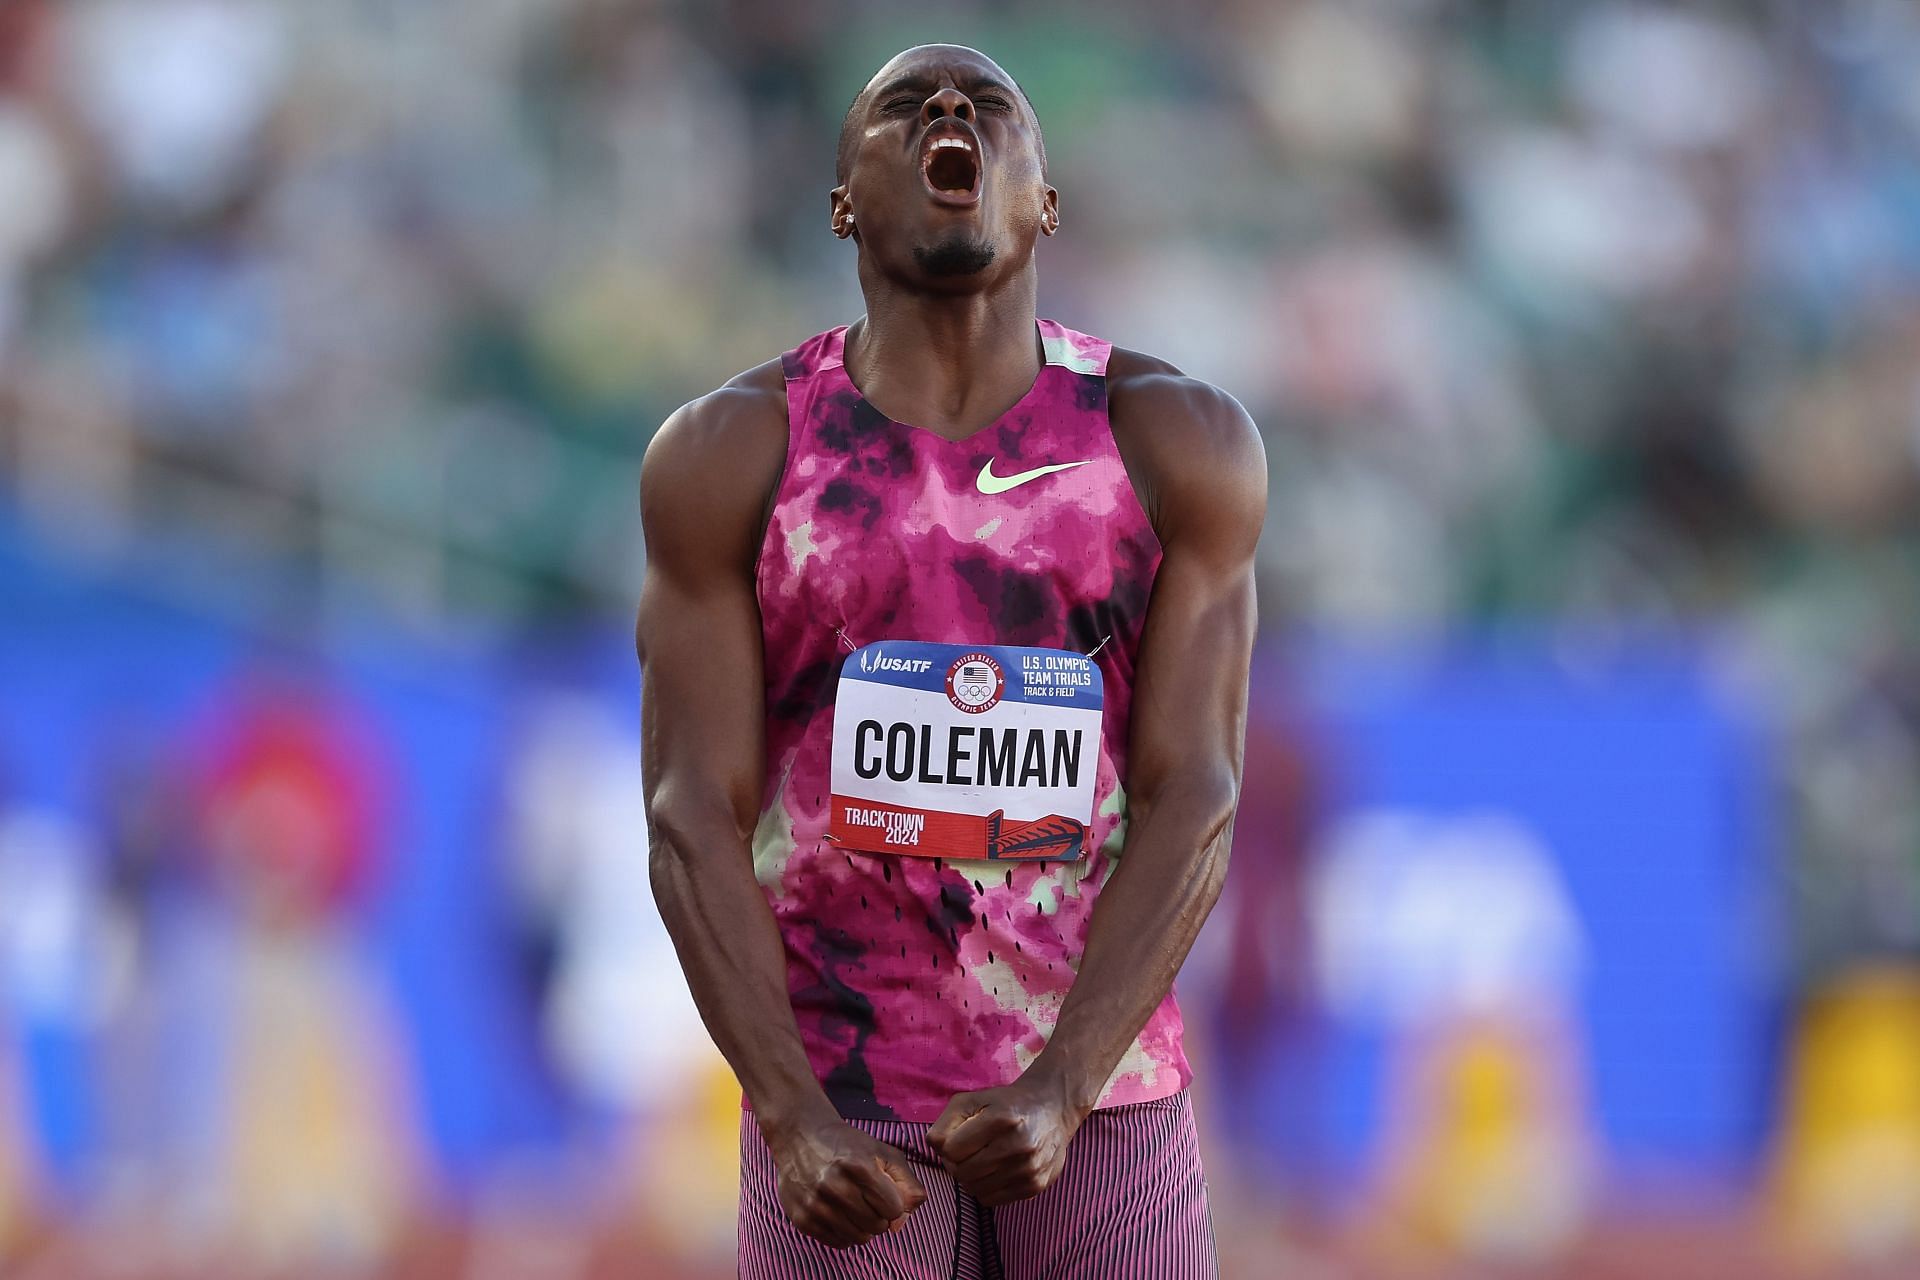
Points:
(1574, 910)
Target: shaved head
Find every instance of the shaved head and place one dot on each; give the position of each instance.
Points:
(942, 176)
(850, 124)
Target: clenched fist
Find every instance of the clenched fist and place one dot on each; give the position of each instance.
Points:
(841, 1186)
(1005, 1144)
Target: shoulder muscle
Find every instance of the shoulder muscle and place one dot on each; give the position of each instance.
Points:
(709, 474)
(1193, 451)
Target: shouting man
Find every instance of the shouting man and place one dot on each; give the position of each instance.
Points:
(945, 632)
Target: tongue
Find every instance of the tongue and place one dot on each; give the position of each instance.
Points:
(951, 169)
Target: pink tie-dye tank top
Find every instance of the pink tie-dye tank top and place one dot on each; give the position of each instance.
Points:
(915, 978)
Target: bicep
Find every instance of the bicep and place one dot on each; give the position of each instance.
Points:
(1190, 691)
(701, 700)
(1190, 687)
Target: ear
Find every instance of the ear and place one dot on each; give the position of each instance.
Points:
(839, 212)
(1050, 212)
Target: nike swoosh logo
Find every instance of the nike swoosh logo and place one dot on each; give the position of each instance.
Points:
(990, 483)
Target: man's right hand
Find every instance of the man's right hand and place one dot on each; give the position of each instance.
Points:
(704, 492)
(841, 1186)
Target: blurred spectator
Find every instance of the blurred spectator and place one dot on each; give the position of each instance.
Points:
(58, 953)
(58, 961)
(619, 1021)
(1252, 968)
(1457, 938)
(315, 1163)
(166, 1026)
(177, 92)
(1846, 1178)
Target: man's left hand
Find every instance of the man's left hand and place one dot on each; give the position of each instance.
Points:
(1006, 1144)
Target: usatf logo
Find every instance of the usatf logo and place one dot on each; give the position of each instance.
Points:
(975, 683)
(878, 660)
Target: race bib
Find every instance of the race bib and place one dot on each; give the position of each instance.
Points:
(965, 751)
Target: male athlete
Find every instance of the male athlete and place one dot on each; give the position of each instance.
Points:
(945, 630)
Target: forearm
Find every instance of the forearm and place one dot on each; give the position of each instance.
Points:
(1168, 877)
(731, 952)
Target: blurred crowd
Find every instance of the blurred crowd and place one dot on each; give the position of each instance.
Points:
(1598, 320)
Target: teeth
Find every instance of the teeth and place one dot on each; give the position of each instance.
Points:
(961, 143)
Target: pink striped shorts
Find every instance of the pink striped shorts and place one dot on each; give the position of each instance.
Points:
(1131, 1204)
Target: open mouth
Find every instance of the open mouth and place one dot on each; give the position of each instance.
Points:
(950, 164)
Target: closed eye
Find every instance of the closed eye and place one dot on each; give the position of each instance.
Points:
(896, 105)
(996, 104)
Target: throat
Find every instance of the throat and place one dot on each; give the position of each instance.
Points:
(950, 384)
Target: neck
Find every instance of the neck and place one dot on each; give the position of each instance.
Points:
(951, 363)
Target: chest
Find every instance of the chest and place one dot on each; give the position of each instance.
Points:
(991, 540)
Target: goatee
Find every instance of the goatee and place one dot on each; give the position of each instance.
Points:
(956, 257)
